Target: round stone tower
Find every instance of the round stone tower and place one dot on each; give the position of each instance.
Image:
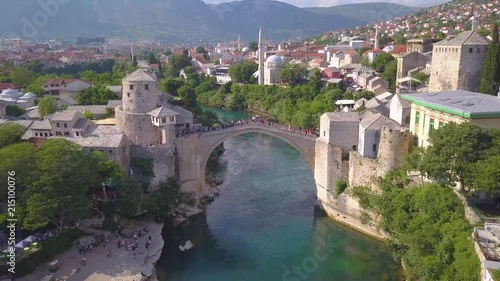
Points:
(140, 94)
(139, 97)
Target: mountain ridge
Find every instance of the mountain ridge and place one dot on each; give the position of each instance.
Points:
(174, 21)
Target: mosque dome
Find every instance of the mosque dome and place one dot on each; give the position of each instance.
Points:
(275, 59)
(11, 93)
(245, 50)
(28, 95)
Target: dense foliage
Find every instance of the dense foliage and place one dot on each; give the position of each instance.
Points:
(95, 96)
(243, 72)
(427, 228)
(46, 106)
(470, 161)
(10, 134)
(429, 232)
(490, 80)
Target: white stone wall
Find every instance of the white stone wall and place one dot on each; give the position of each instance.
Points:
(445, 68)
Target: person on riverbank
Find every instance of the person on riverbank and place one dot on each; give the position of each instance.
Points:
(109, 254)
(84, 261)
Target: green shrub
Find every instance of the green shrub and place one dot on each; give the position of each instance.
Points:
(340, 186)
(365, 218)
(146, 165)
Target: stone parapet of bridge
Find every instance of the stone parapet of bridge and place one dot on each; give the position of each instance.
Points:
(194, 150)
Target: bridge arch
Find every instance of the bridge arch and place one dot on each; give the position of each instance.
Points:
(196, 150)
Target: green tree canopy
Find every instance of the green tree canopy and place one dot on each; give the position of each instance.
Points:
(11, 133)
(253, 46)
(23, 76)
(46, 106)
(171, 85)
(454, 149)
(293, 74)
(490, 79)
(132, 193)
(243, 72)
(188, 95)
(390, 73)
(381, 61)
(95, 96)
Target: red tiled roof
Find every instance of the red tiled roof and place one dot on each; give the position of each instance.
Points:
(398, 49)
(64, 81)
(5, 86)
(317, 61)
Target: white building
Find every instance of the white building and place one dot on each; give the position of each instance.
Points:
(15, 98)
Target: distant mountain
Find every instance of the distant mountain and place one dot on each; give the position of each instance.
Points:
(181, 21)
(370, 12)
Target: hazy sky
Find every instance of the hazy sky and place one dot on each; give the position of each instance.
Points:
(327, 3)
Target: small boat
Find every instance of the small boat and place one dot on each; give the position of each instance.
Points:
(187, 246)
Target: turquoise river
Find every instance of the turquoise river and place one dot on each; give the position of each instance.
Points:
(264, 226)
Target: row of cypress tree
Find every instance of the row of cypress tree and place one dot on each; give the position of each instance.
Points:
(490, 80)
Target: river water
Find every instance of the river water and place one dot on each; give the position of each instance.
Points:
(264, 226)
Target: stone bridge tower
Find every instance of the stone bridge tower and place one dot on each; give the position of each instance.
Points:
(139, 97)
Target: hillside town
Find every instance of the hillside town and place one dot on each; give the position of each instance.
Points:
(372, 95)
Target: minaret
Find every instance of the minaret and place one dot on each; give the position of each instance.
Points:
(376, 38)
(239, 43)
(261, 58)
(475, 21)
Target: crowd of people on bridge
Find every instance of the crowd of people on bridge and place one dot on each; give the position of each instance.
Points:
(254, 120)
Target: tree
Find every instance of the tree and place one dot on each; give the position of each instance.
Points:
(23, 76)
(243, 72)
(200, 50)
(487, 174)
(420, 76)
(18, 157)
(176, 63)
(160, 70)
(95, 96)
(11, 133)
(152, 58)
(490, 78)
(87, 114)
(315, 79)
(192, 77)
(293, 74)
(390, 73)
(130, 202)
(46, 106)
(380, 62)
(364, 94)
(454, 150)
(134, 61)
(171, 85)
(59, 193)
(14, 110)
(188, 95)
(253, 46)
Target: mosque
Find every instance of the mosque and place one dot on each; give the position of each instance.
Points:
(269, 71)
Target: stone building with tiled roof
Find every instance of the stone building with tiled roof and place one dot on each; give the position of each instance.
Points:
(457, 63)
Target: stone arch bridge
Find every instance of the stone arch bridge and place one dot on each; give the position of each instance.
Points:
(195, 149)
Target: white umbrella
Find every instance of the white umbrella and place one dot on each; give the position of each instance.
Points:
(22, 245)
(31, 239)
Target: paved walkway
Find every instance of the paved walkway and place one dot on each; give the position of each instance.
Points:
(122, 266)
